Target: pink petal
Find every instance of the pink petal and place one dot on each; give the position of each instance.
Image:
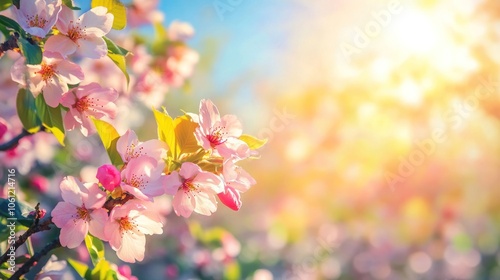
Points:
(148, 226)
(98, 21)
(133, 247)
(183, 204)
(72, 234)
(231, 198)
(112, 234)
(99, 218)
(66, 15)
(96, 197)
(232, 125)
(70, 72)
(52, 92)
(71, 191)
(172, 183)
(189, 170)
(205, 203)
(210, 181)
(209, 115)
(61, 44)
(92, 47)
(63, 213)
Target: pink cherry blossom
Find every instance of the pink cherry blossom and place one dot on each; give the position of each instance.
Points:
(37, 17)
(179, 65)
(220, 134)
(51, 77)
(143, 12)
(108, 176)
(88, 101)
(194, 190)
(151, 88)
(180, 31)
(83, 34)
(142, 177)
(128, 224)
(80, 212)
(129, 147)
(236, 181)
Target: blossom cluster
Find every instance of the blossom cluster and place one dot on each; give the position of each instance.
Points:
(119, 208)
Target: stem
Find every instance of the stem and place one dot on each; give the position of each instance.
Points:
(14, 141)
(10, 44)
(36, 227)
(27, 265)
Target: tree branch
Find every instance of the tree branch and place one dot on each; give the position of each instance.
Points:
(14, 141)
(36, 227)
(27, 265)
(10, 44)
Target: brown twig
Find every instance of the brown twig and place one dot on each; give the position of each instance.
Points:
(27, 265)
(36, 227)
(10, 44)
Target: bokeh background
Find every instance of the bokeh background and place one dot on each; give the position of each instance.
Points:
(383, 153)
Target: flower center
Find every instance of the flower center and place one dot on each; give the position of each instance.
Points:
(36, 21)
(217, 136)
(126, 224)
(75, 32)
(47, 71)
(137, 181)
(82, 213)
(82, 105)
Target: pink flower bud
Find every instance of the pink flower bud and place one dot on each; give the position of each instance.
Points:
(108, 176)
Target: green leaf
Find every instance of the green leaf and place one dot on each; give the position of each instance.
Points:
(51, 118)
(253, 142)
(26, 110)
(11, 24)
(5, 4)
(32, 52)
(119, 60)
(95, 247)
(166, 132)
(69, 4)
(109, 136)
(116, 8)
(13, 208)
(82, 269)
(114, 48)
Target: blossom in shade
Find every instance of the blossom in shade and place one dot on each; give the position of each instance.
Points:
(51, 77)
(220, 134)
(179, 64)
(85, 102)
(83, 33)
(109, 176)
(127, 226)
(194, 190)
(80, 212)
(142, 177)
(37, 17)
(180, 31)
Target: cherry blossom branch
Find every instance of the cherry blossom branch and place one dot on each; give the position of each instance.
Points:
(14, 141)
(27, 265)
(36, 227)
(10, 44)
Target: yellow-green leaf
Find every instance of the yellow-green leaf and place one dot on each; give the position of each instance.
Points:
(109, 136)
(184, 133)
(51, 118)
(5, 4)
(80, 268)
(119, 60)
(116, 8)
(253, 142)
(95, 248)
(166, 132)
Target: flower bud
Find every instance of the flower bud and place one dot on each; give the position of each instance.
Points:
(108, 176)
